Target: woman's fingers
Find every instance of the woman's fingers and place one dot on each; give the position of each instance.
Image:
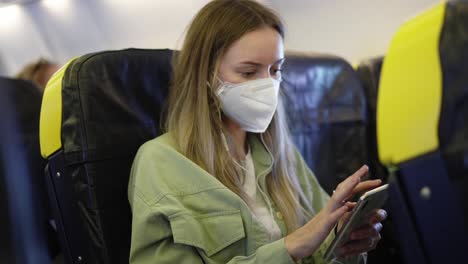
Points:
(366, 231)
(361, 172)
(379, 215)
(347, 215)
(345, 189)
(358, 246)
(309, 237)
(351, 205)
(336, 215)
(366, 186)
(364, 238)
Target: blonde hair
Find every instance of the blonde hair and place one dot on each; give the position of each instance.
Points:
(195, 118)
(34, 72)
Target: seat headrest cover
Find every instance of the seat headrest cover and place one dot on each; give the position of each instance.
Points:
(109, 97)
(51, 114)
(410, 92)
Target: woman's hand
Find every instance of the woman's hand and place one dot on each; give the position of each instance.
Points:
(307, 239)
(366, 237)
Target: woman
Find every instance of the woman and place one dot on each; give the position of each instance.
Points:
(225, 184)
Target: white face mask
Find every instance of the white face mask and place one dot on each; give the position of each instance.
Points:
(251, 104)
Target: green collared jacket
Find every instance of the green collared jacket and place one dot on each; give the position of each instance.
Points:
(183, 214)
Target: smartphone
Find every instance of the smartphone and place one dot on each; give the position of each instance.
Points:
(368, 202)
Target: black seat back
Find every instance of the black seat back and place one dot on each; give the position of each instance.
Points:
(111, 104)
(369, 74)
(326, 106)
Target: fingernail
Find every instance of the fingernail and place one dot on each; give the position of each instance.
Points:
(383, 213)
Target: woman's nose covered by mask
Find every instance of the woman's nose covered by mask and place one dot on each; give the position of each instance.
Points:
(251, 104)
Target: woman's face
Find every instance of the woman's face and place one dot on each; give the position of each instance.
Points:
(256, 55)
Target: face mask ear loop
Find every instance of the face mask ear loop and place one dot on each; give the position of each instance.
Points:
(221, 87)
(220, 90)
(223, 137)
(226, 146)
(217, 101)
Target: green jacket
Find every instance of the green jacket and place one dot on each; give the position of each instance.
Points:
(182, 214)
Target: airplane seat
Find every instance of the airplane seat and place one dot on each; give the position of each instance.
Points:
(26, 235)
(326, 107)
(99, 108)
(422, 132)
(388, 250)
(369, 73)
(453, 121)
(97, 111)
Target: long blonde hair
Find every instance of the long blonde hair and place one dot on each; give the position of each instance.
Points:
(195, 118)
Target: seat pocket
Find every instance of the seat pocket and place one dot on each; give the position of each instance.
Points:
(211, 232)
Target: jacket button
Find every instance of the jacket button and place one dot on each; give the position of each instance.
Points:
(279, 215)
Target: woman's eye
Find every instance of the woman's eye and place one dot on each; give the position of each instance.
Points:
(247, 74)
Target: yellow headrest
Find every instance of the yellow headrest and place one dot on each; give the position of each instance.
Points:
(50, 122)
(410, 92)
